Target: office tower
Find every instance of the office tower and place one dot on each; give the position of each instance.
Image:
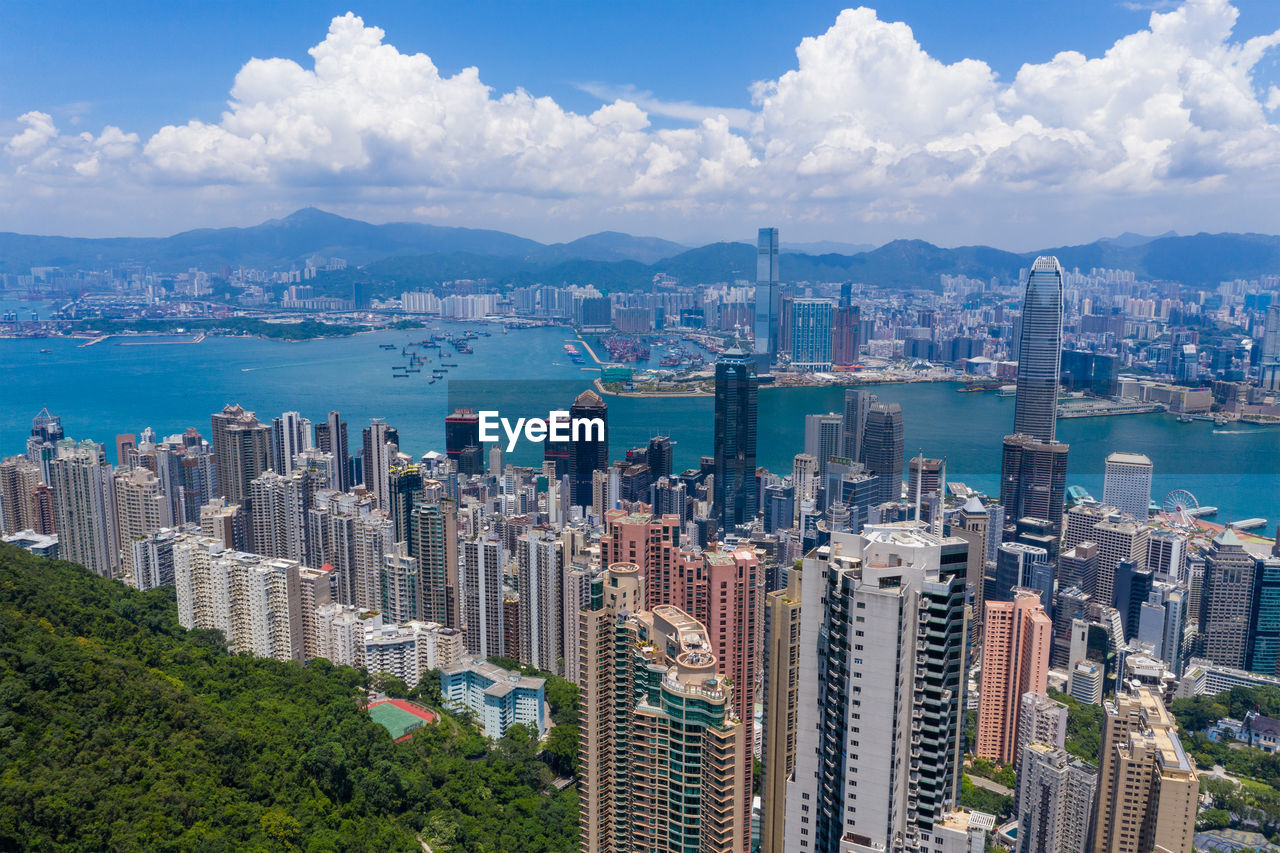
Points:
(480, 588)
(1013, 570)
(811, 334)
(882, 449)
(224, 523)
(1127, 484)
(1055, 800)
(290, 435)
(1133, 586)
(1226, 599)
(400, 586)
(1119, 538)
(845, 342)
(84, 504)
(461, 430)
(1035, 409)
(779, 508)
(1078, 567)
(805, 480)
(18, 478)
(736, 497)
(1148, 790)
(924, 478)
(857, 404)
(404, 488)
(1033, 479)
(556, 454)
(279, 515)
(882, 647)
(141, 510)
(1017, 638)
(331, 437)
(661, 456)
(652, 544)
(1167, 555)
(434, 542)
(254, 601)
(241, 453)
(1162, 622)
(768, 295)
(588, 445)
(781, 707)
(539, 572)
(375, 461)
(661, 748)
(823, 438)
(46, 432)
(1269, 365)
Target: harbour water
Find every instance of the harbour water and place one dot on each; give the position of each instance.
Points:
(110, 388)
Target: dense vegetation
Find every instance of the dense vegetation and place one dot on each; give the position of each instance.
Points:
(1197, 714)
(1084, 728)
(120, 730)
(300, 331)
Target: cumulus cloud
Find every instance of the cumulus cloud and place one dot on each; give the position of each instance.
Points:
(868, 127)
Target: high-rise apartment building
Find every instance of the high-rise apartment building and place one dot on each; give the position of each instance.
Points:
(290, 435)
(539, 573)
(1035, 410)
(736, 497)
(19, 477)
(399, 586)
(768, 299)
(1148, 789)
(480, 587)
(141, 509)
(380, 446)
(434, 542)
(781, 663)
(241, 453)
(652, 544)
(1017, 640)
(281, 504)
(661, 747)
(331, 437)
(1055, 800)
(1127, 484)
(85, 506)
(882, 449)
(880, 696)
(1040, 720)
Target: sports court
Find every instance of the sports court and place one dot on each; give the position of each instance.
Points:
(399, 717)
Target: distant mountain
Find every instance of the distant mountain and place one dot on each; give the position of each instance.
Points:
(827, 247)
(614, 246)
(403, 255)
(1129, 240)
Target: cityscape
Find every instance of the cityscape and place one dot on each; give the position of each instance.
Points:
(319, 534)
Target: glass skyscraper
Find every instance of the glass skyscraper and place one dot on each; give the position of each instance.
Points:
(811, 334)
(1040, 352)
(767, 299)
(736, 497)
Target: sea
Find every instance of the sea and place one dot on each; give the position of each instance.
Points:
(123, 385)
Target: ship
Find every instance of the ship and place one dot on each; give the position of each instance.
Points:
(448, 364)
(400, 375)
(46, 351)
(386, 346)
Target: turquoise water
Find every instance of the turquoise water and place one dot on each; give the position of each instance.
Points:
(107, 389)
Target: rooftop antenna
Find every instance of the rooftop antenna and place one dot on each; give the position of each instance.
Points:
(942, 499)
(919, 481)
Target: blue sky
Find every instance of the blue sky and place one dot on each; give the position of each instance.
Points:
(147, 66)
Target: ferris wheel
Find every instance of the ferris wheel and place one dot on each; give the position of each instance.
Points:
(1181, 503)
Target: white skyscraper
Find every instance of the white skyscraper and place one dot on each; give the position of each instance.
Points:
(480, 580)
(823, 438)
(1127, 485)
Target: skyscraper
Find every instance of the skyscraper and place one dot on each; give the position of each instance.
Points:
(823, 438)
(661, 745)
(480, 588)
(1033, 479)
(811, 334)
(765, 330)
(857, 404)
(882, 650)
(290, 435)
(1226, 599)
(461, 430)
(781, 660)
(539, 572)
(845, 342)
(1127, 484)
(379, 448)
(84, 506)
(331, 437)
(241, 452)
(1148, 789)
(1015, 660)
(588, 449)
(1055, 800)
(882, 449)
(1269, 369)
(1035, 409)
(434, 540)
(736, 497)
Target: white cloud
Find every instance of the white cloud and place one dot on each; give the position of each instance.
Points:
(868, 131)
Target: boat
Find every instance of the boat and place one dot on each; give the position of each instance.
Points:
(414, 370)
(971, 389)
(1184, 419)
(46, 351)
(448, 364)
(400, 375)
(433, 380)
(386, 346)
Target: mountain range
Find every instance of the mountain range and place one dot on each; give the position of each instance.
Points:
(402, 255)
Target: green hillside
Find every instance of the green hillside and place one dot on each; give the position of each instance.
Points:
(121, 731)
